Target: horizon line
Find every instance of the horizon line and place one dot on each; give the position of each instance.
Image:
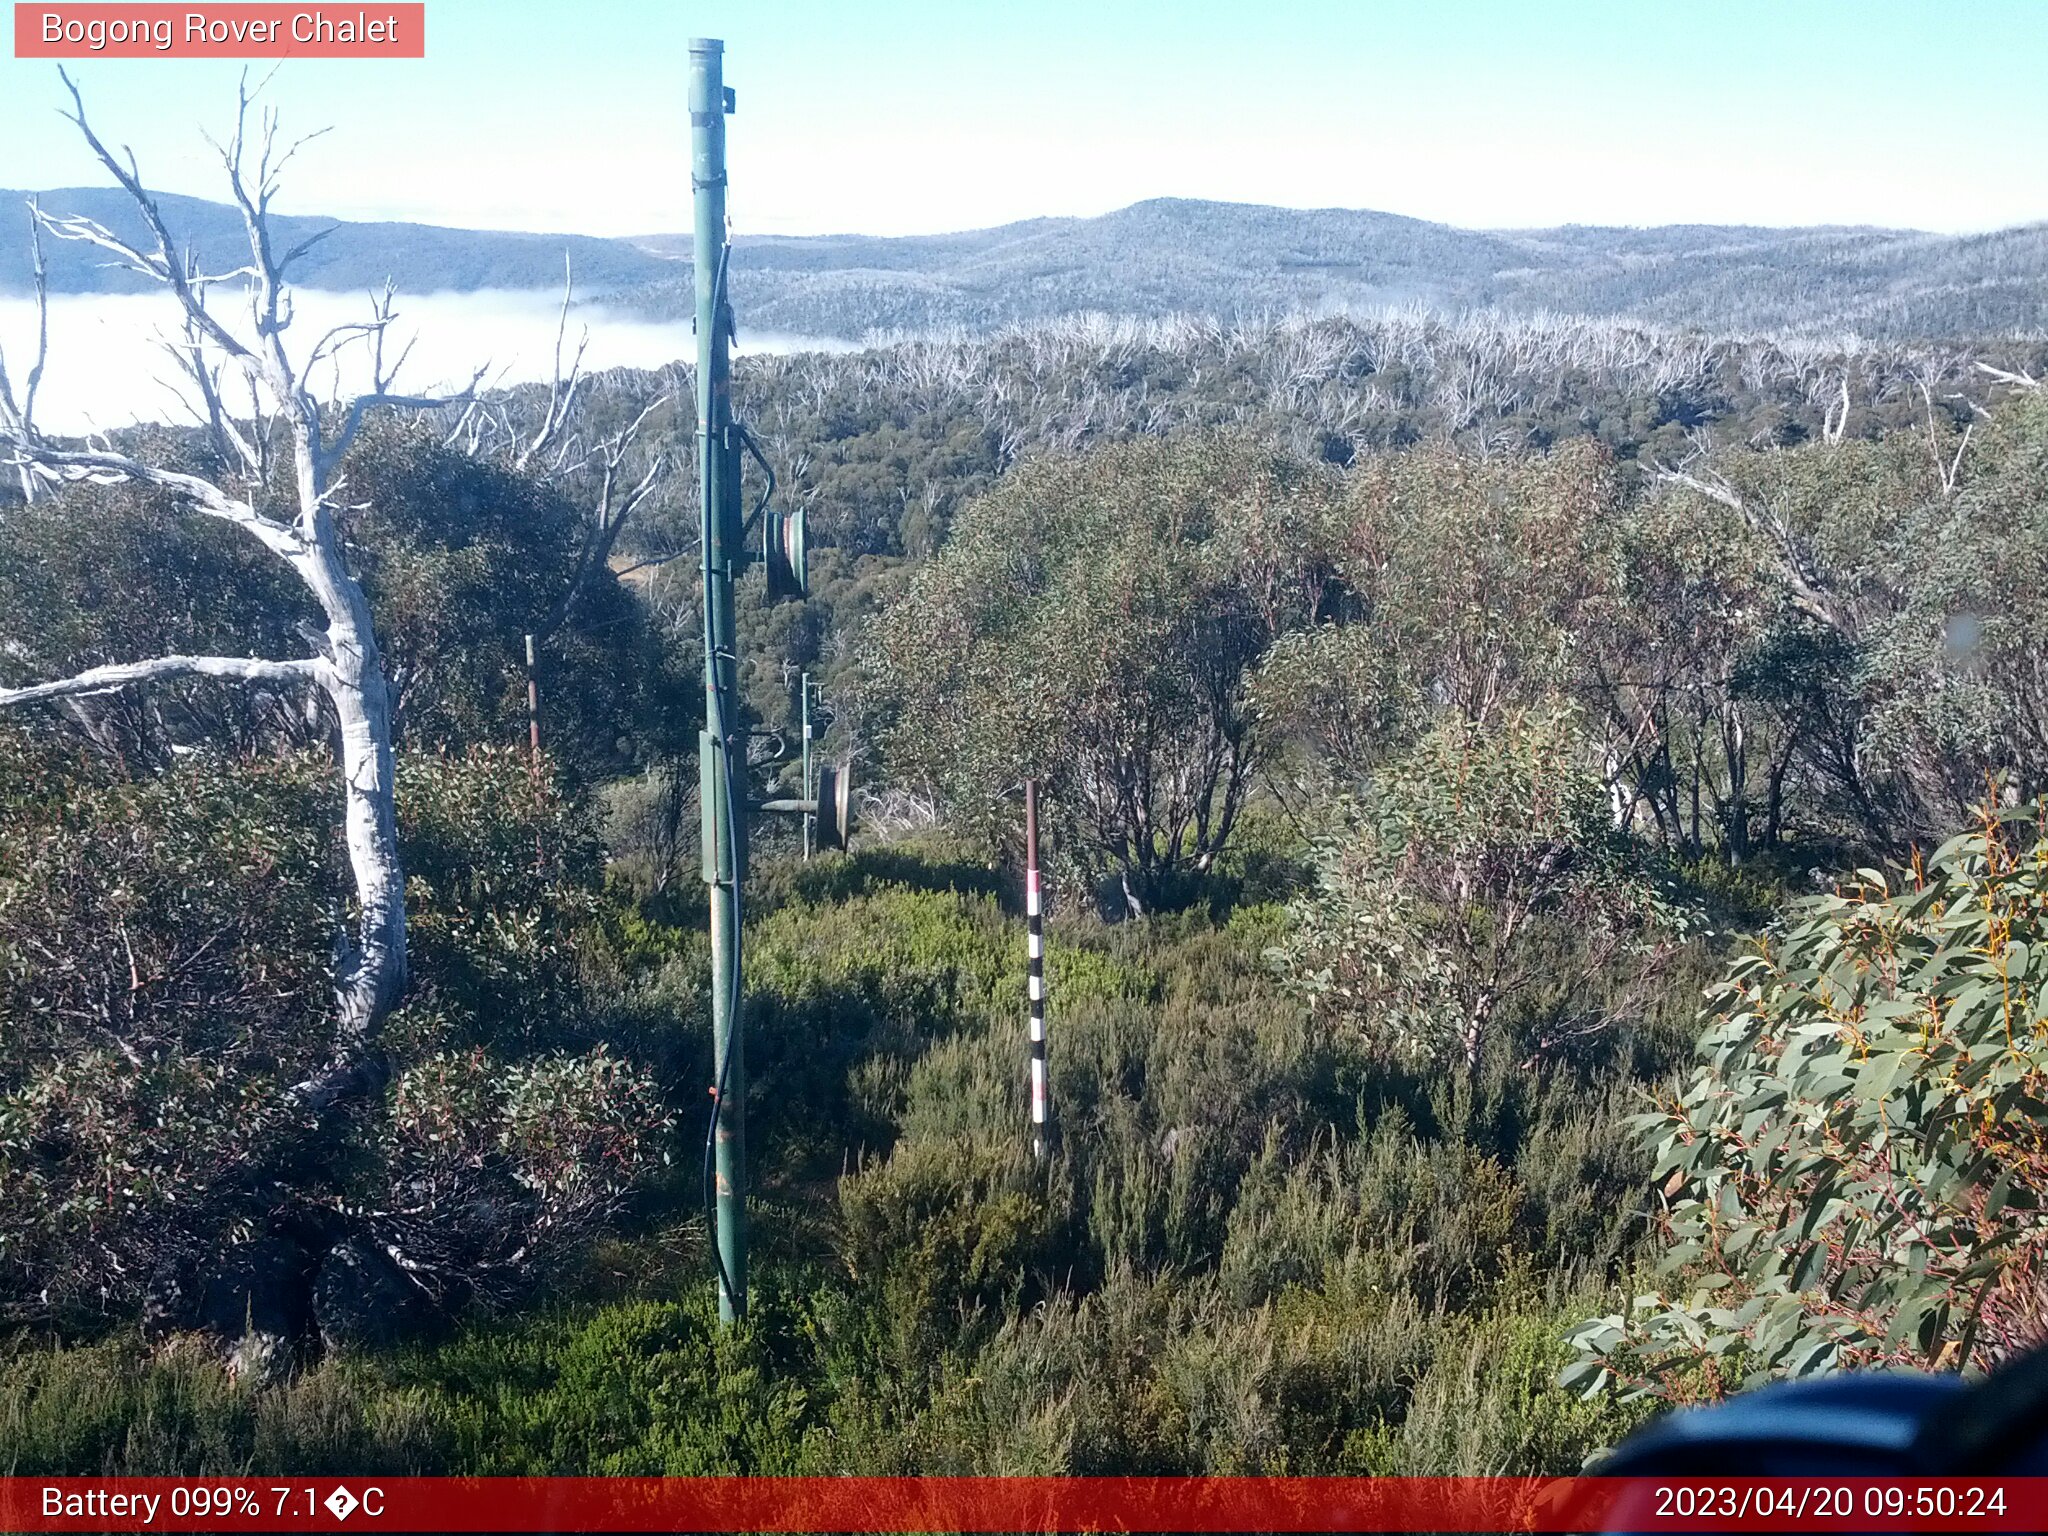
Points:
(1503, 230)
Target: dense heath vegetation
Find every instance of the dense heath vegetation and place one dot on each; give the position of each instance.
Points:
(1537, 813)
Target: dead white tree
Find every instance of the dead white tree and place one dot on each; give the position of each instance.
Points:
(2020, 380)
(1802, 577)
(618, 496)
(1947, 468)
(1834, 424)
(18, 416)
(299, 529)
(557, 452)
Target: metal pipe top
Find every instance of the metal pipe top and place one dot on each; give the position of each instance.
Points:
(707, 45)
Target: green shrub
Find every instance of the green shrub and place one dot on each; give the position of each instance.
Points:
(1855, 1166)
(1488, 1406)
(944, 1232)
(165, 946)
(1481, 895)
(637, 1388)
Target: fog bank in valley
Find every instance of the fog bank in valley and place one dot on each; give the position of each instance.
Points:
(107, 367)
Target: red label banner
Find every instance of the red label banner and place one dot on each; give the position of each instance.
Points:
(1022, 1504)
(118, 31)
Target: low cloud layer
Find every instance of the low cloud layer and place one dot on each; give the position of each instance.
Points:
(107, 366)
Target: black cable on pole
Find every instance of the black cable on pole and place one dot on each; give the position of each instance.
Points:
(748, 442)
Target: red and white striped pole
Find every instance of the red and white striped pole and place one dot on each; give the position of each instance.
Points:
(1034, 917)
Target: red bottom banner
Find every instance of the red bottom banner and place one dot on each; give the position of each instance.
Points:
(1022, 1504)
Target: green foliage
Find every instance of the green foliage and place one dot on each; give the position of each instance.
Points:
(1488, 1403)
(636, 1388)
(1249, 1247)
(69, 602)
(1331, 1219)
(164, 951)
(509, 1167)
(1338, 690)
(1826, 646)
(1855, 1168)
(631, 1388)
(1480, 895)
(845, 997)
(500, 869)
(1950, 675)
(1835, 641)
(1468, 589)
(942, 1230)
(163, 976)
(1720, 695)
(1091, 622)
(460, 561)
(113, 1408)
(1475, 574)
(1255, 1249)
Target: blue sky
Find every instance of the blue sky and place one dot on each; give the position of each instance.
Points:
(917, 116)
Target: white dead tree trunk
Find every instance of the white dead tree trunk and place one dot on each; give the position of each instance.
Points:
(1808, 587)
(18, 416)
(617, 498)
(301, 531)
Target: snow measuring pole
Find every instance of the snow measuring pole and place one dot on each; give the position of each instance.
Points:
(1034, 970)
(721, 747)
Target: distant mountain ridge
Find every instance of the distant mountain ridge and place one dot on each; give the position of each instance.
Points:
(421, 258)
(1168, 255)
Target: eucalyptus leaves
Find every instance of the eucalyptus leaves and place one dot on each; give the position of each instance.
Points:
(1856, 1168)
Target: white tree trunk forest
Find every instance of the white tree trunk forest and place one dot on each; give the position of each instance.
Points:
(301, 531)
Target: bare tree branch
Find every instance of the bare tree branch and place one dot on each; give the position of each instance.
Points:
(561, 391)
(371, 961)
(612, 513)
(107, 679)
(1807, 589)
(19, 419)
(230, 442)
(1949, 469)
(104, 466)
(1832, 426)
(2020, 380)
(162, 265)
(597, 549)
(42, 290)
(359, 407)
(304, 247)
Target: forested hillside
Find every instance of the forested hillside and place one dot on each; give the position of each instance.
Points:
(347, 257)
(1230, 260)
(1167, 257)
(1475, 754)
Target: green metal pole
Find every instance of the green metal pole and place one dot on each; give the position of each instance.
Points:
(724, 803)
